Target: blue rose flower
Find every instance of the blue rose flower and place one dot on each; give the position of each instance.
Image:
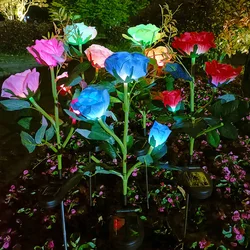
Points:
(158, 134)
(92, 103)
(127, 66)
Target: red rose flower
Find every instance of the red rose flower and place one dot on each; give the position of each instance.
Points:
(187, 41)
(221, 73)
(171, 98)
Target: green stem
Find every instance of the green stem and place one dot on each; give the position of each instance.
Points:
(50, 145)
(56, 114)
(191, 149)
(210, 129)
(96, 76)
(192, 85)
(208, 103)
(94, 159)
(138, 164)
(72, 129)
(111, 132)
(144, 120)
(81, 58)
(42, 111)
(125, 137)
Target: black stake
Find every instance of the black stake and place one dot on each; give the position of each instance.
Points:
(63, 218)
(90, 185)
(186, 216)
(147, 186)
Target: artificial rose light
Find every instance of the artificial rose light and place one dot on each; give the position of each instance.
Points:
(221, 73)
(144, 35)
(158, 134)
(20, 84)
(97, 55)
(160, 54)
(187, 41)
(48, 52)
(171, 98)
(127, 66)
(92, 103)
(79, 33)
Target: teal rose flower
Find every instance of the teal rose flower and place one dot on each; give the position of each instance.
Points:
(144, 35)
(127, 66)
(79, 33)
(92, 103)
(158, 134)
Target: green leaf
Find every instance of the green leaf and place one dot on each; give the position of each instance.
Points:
(109, 149)
(216, 109)
(226, 98)
(28, 141)
(25, 122)
(114, 99)
(79, 69)
(229, 131)
(146, 159)
(75, 81)
(41, 131)
(72, 115)
(130, 141)
(49, 133)
(194, 245)
(11, 105)
(213, 138)
(159, 152)
(222, 247)
(229, 107)
(91, 244)
(169, 83)
(212, 121)
(97, 133)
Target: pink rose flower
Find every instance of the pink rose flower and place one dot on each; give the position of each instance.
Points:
(20, 83)
(97, 55)
(187, 41)
(48, 52)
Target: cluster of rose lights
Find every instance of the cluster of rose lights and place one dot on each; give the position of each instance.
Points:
(93, 101)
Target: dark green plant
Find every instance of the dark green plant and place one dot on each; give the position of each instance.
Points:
(99, 12)
(15, 36)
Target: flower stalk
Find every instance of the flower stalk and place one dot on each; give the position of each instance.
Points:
(56, 114)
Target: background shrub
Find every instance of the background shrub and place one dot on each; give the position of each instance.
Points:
(15, 36)
(103, 14)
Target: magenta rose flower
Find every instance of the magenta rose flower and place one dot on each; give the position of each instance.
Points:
(187, 41)
(220, 73)
(21, 84)
(48, 52)
(97, 55)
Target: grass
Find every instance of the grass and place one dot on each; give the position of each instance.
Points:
(11, 64)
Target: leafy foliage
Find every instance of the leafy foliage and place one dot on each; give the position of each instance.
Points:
(15, 36)
(98, 12)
